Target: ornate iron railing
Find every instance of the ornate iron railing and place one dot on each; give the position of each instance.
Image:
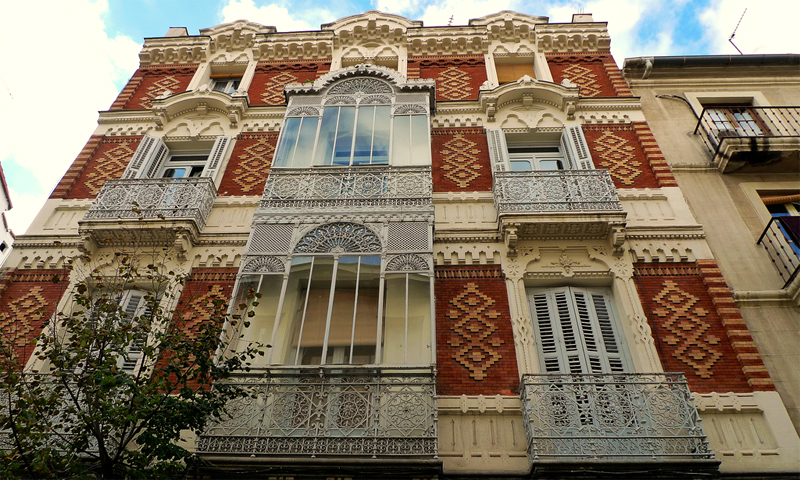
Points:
(165, 198)
(782, 249)
(738, 121)
(336, 188)
(329, 411)
(611, 417)
(555, 191)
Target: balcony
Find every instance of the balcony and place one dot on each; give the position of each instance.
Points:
(781, 240)
(356, 189)
(159, 211)
(746, 139)
(558, 204)
(316, 415)
(626, 419)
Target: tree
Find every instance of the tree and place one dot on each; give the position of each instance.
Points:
(120, 377)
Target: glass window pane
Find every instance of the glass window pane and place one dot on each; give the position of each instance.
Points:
(309, 331)
(420, 147)
(394, 319)
(344, 136)
(401, 135)
(263, 322)
(282, 349)
(283, 157)
(363, 145)
(366, 323)
(380, 139)
(550, 165)
(305, 143)
(327, 134)
(520, 165)
(419, 319)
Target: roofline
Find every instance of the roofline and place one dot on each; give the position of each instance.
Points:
(648, 63)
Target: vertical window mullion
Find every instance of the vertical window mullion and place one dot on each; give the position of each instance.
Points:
(323, 360)
(355, 135)
(379, 333)
(405, 343)
(372, 134)
(305, 310)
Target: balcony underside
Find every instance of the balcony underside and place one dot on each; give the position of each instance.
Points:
(758, 155)
(565, 226)
(179, 233)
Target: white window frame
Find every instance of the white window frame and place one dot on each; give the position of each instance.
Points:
(150, 158)
(226, 85)
(572, 145)
(577, 330)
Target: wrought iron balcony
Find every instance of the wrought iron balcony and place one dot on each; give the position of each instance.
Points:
(781, 242)
(555, 191)
(329, 411)
(356, 189)
(751, 139)
(611, 417)
(149, 209)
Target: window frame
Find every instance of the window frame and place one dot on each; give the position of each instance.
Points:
(151, 159)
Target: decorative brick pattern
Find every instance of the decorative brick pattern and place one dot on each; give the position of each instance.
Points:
(148, 83)
(270, 78)
(460, 160)
(617, 149)
(698, 329)
(28, 300)
(458, 77)
(101, 159)
(249, 165)
(474, 339)
(656, 159)
(596, 75)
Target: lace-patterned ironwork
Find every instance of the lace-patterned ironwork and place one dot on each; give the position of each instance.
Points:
(339, 237)
(303, 111)
(608, 416)
(360, 85)
(555, 191)
(329, 411)
(401, 109)
(163, 198)
(264, 263)
(407, 263)
(370, 188)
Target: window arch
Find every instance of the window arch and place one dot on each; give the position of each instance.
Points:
(357, 121)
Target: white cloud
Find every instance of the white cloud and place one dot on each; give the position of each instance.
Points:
(767, 27)
(276, 15)
(59, 68)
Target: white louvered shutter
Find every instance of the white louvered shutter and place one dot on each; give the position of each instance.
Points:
(216, 156)
(147, 159)
(576, 332)
(575, 148)
(133, 305)
(498, 149)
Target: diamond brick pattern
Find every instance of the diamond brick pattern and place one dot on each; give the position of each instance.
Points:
(102, 159)
(618, 149)
(458, 77)
(249, 165)
(269, 79)
(592, 73)
(148, 83)
(460, 160)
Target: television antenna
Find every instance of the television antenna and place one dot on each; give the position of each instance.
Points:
(734, 33)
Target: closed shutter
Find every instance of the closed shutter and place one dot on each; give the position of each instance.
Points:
(134, 305)
(498, 150)
(575, 148)
(216, 156)
(147, 159)
(575, 331)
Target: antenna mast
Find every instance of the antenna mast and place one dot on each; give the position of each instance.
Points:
(734, 33)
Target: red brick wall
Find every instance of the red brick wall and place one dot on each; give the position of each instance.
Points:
(460, 160)
(270, 78)
(698, 329)
(101, 159)
(148, 83)
(619, 149)
(458, 77)
(474, 339)
(27, 300)
(249, 165)
(596, 75)
(196, 302)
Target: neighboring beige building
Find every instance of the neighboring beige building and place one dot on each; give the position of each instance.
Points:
(474, 257)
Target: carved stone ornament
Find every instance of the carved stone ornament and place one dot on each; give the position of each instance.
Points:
(339, 237)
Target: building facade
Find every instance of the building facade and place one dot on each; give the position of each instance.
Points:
(474, 258)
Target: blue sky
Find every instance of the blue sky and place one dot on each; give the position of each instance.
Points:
(65, 60)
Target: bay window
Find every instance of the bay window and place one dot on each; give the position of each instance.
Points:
(341, 310)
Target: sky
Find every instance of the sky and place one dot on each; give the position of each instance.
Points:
(65, 60)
